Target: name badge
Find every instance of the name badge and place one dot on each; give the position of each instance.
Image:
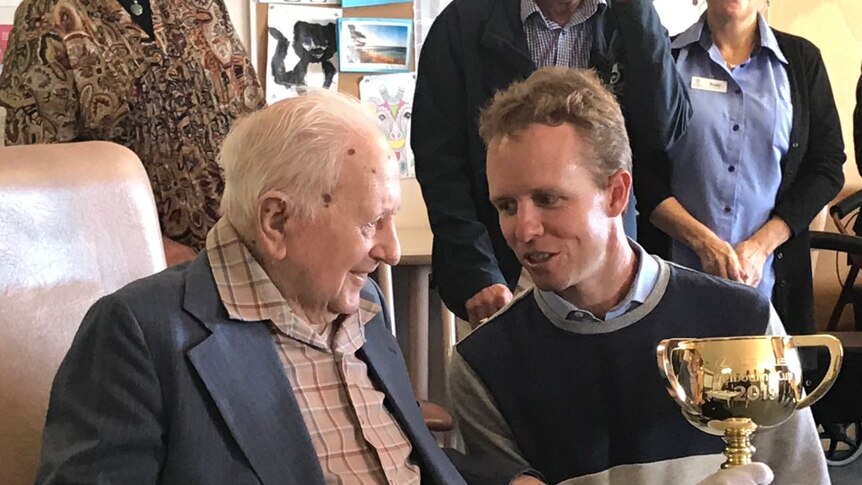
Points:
(706, 84)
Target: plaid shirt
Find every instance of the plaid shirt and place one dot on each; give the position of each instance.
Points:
(356, 438)
(554, 45)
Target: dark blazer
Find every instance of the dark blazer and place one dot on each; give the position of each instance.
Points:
(474, 49)
(161, 386)
(812, 176)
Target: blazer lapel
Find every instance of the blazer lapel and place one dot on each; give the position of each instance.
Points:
(241, 369)
(387, 368)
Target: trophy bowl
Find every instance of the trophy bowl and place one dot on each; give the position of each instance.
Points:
(732, 386)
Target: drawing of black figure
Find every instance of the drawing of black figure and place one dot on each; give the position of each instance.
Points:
(312, 43)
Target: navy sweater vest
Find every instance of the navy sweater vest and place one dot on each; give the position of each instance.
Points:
(579, 404)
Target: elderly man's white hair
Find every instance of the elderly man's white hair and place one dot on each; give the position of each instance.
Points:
(294, 146)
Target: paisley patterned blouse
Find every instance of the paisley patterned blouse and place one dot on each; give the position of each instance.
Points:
(84, 70)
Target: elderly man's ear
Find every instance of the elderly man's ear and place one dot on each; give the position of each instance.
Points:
(275, 216)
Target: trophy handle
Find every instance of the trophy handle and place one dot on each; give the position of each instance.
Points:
(663, 353)
(836, 354)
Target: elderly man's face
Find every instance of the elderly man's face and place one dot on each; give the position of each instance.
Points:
(354, 230)
(552, 213)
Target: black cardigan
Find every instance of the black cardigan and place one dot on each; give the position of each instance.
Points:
(812, 176)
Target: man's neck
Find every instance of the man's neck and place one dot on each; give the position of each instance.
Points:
(604, 290)
(318, 316)
(560, 11)
(319, 319)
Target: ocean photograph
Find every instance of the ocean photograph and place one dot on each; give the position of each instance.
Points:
(369, 43)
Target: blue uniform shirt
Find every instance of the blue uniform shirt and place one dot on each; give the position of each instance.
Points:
(726, 169)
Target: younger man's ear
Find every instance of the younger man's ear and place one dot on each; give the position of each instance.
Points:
(619, 188)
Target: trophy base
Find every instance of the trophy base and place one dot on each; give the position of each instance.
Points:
(737, 437)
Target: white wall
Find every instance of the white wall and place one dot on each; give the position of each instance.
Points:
(7, 15)
(239, 16)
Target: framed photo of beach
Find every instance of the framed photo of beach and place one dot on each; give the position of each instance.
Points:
(374, 45)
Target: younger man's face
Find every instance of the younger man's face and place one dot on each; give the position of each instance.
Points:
(552, 214)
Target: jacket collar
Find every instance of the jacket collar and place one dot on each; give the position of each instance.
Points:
(240, 368)
(504, 34)
(387, 369)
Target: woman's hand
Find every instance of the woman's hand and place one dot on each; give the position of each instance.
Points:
(718, 258)
(752, 257)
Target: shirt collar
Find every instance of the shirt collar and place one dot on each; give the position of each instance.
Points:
(768, 39)
(643, 284)
(530, 7)
(249, 295)
(699, 33)
(690, 35)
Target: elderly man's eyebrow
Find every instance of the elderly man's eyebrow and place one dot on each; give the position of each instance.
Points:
(383, 213)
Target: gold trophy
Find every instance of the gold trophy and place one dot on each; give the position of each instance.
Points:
(732, 386)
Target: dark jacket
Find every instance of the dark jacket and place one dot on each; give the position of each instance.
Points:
(161, 386)
(812, 176)
(474, 49)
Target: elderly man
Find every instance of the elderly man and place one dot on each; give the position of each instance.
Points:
(267, 359)
(564, 379)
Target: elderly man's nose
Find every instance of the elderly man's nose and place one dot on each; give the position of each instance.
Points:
(387, 248)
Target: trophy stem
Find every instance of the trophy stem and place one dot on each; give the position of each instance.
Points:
(737, 436)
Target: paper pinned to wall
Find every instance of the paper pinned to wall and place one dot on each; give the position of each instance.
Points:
(5, 30)
(374, 44)
(302, 51)
(390, 98)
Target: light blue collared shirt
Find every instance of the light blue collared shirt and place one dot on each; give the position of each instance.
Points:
(643, 284)
(726, 169)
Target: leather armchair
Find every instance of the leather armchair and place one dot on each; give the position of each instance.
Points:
(77, 221)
